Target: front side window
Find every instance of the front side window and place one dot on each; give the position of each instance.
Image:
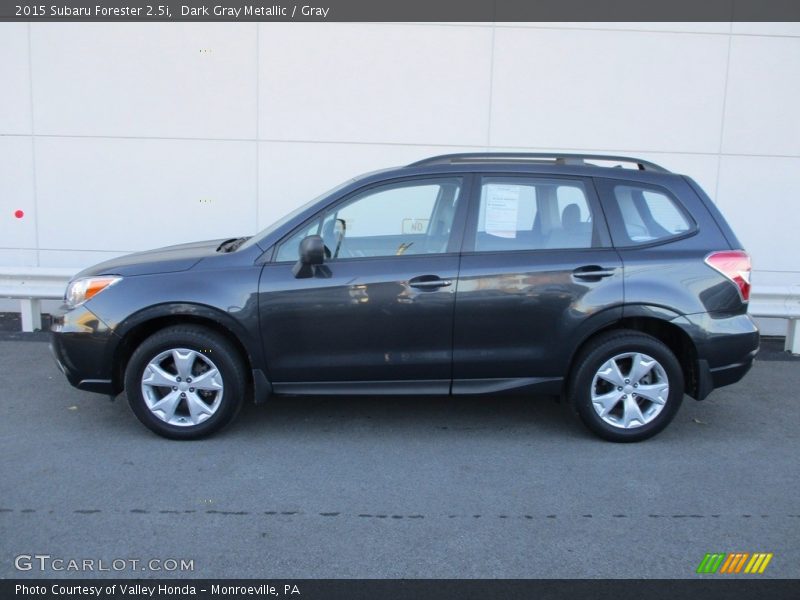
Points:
(533, 214)
(289, 250)
(392, 220)
(649, 215)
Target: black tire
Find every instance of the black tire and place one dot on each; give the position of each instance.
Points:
(210, 350)
(598, 352)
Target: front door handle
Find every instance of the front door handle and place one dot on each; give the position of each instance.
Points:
(429, 282)
(592, 273)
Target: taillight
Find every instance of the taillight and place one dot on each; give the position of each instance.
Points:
(735, 265)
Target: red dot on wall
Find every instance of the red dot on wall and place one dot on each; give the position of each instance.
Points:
(19, 214)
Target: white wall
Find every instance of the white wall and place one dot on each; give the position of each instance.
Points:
(121, 137)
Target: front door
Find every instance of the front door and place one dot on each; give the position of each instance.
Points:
(377, 316)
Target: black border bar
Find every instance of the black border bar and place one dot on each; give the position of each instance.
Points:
(400, 10)
(705, 588)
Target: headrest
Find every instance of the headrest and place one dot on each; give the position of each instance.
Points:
(571, 216)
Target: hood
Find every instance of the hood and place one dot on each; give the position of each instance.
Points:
(162, 260)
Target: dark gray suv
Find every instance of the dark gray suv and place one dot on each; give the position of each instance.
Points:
(620, 289)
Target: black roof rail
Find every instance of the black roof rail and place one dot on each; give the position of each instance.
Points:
(535, 157)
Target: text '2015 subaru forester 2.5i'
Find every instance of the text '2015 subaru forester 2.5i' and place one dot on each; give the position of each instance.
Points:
(620, 289)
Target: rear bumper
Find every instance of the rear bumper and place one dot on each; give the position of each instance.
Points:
(726, 348)
(83, 347)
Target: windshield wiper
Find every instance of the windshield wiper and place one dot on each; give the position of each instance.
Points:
(232, 244)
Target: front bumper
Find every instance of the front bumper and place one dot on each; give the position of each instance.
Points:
(83, 347)
(726, 348)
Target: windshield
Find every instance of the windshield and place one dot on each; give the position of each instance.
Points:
(283, 220)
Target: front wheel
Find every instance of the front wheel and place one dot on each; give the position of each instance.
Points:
(626, 386)
(185, 382)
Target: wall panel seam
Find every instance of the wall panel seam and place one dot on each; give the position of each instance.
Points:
(722, 121)
(34, 181)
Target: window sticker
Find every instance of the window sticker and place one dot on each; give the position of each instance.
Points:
(502, 210)
(414, 225)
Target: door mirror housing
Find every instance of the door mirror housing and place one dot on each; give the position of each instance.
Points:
(312, 254)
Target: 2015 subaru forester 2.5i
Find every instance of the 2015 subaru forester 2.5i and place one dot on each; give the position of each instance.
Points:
(620, 289)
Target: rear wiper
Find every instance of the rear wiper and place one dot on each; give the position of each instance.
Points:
(232, 244)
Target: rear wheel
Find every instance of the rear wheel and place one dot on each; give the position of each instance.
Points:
(185, 382)
(626, 386)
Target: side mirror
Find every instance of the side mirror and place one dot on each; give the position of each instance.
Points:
(312, 254)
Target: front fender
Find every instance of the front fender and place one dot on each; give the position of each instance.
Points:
(197, 312)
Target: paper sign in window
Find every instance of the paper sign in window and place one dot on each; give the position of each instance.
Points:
(414, 225)
(502, 210)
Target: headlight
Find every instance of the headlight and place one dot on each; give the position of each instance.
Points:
(80, 290)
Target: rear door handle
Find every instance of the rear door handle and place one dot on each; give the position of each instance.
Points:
(429, 282)
(592, 273)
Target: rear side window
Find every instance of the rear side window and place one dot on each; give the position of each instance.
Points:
(533, 214)
(649, 215)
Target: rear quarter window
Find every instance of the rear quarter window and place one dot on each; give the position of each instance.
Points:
(647, 215)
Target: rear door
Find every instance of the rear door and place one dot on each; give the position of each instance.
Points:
(537, 273)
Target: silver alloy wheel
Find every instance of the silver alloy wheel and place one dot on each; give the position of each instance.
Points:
(630, 390)
(182, 387)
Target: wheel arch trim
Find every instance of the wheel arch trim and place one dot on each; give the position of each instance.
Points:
(147, 321)
(661, 323)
